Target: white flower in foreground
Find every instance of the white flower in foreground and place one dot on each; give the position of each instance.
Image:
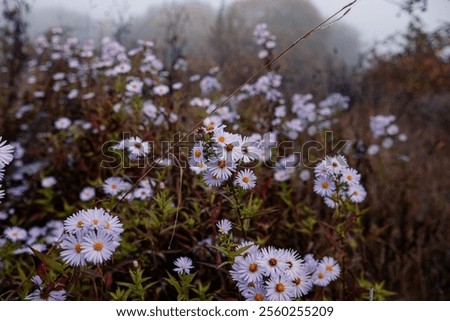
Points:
(350, 176)
(280, 288)
(98, 246)
(357, 193)
(331, 267)
(6, 153)
(248, 269)
(221, 168)
(245, 179)
(272, 261)
(302, 284)
(94, 218)
(41, 295)
(320, 278)
(75, 222)
(71, 249)
(183, 265)
(324, 186)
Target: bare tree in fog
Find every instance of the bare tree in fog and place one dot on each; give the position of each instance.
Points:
(12, 52)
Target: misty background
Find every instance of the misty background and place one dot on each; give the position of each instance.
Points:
(219, 32)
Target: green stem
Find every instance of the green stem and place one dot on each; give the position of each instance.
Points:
(238, 209)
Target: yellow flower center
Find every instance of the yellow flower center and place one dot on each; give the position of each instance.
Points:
(222, 163)
(259, 297)
(230, 147)
(280, 288)
(325, 184)
(80, 224)
(107, 226)
(78, 248)
(350, 177)
(114, 186)
(321, 275)
(246, 179)
(197, 153)
(329, 268)
(253, 267)
(221, 139)
(98, 246)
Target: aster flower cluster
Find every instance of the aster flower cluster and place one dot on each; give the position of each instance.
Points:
(311, 117)
(336, 182)
(271, 274)
(117, 186)
(91, 236)
(384, 127)
(37, 237)
(221, 156)
(6, 156)
(264, 38)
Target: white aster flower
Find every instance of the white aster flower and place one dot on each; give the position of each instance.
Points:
(98, 246)
(357, 193)
(324, 186)
(335, 164)
(350, 176)
(224, 226)
(72, 249)
(87, 194)
(183, 265)
(6, 153)
(114, 185)
(272, 261)
(331, 267)
(248, 270)
(302, 284)
(137, 147)
(245, 179)
(94, 218)
(221, 168)
(212, 180)
(320, 278)
(15, 233)
(280, 288)
(75, 222)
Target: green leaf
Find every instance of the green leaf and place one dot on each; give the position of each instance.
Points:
(47, 260)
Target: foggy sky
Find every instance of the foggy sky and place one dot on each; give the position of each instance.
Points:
(374, 19)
